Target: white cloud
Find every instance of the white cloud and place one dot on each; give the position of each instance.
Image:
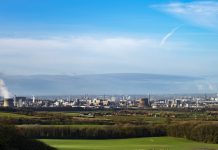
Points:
(203, 13)
(89, 54)
(77, 43)
(80, 54)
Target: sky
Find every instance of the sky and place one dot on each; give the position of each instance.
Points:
(109, 36)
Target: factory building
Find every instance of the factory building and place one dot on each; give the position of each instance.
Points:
(19, 101)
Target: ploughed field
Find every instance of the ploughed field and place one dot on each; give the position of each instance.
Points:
(151, 143)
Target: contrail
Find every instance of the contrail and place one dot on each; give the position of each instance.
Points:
(168, 35)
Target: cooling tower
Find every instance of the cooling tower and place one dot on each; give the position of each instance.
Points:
(144, 102)
(8, 102)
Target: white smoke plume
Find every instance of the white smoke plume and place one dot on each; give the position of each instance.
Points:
(3, 90)
(168, 35)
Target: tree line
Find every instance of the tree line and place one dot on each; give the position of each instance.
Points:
(197, 131)
(12, 139)
(94, 132)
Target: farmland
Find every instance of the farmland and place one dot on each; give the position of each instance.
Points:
(153, 143)
(197, 125)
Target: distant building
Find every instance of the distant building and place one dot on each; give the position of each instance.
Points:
(98, 102)
(19, 101)
(144, 102)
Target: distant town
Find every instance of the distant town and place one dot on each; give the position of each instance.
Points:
(111, 101)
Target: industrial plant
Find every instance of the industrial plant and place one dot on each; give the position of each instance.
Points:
(111, 101)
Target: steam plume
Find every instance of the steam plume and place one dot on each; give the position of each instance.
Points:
(3, 90)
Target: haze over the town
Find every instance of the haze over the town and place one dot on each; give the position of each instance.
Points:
(52, 37)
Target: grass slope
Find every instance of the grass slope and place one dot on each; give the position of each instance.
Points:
(154, 143)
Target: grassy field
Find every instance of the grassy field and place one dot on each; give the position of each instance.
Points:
(73, 126)
(13, 115)
(154, 143)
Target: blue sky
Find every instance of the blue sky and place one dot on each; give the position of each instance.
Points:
(109, 36)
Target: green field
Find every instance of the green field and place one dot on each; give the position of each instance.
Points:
(13, 115)
(154, 143)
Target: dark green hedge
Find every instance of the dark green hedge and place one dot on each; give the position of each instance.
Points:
(11, 139)
(96, 132)
(204, 132)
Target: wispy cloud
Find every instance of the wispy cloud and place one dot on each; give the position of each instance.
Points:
(91, 44)
(168, 35)
(203, 13)
(90, 54)
(83, 54)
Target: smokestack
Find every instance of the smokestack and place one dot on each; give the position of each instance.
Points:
(3, 90)
(34, 99)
